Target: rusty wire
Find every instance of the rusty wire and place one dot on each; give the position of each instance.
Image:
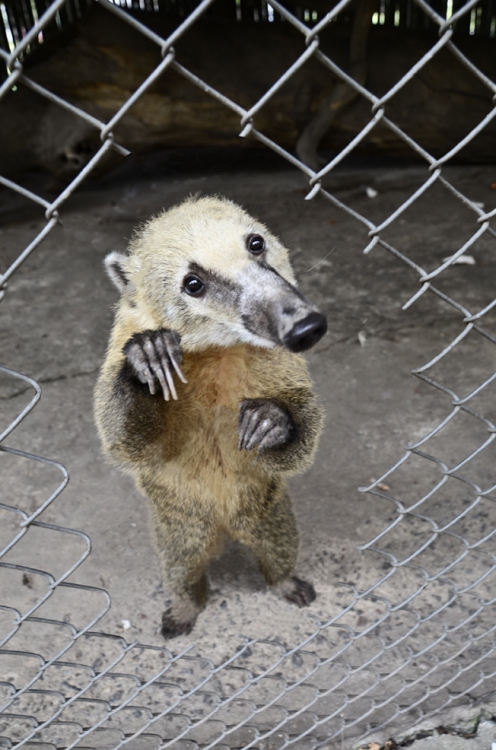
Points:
(459, 654)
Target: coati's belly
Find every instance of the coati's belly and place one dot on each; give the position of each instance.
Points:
(196, 459)
(210, 470)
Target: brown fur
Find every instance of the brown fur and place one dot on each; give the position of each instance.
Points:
(184, 455)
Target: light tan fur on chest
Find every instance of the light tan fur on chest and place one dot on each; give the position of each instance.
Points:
(206, 427)
(222, 377)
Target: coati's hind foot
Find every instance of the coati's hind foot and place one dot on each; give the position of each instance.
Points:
(297, 591)
(179, 619)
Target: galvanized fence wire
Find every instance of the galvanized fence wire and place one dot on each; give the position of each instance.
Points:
(340, 680)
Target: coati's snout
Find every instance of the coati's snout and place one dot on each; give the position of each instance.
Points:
(274, 310)
(306, 333)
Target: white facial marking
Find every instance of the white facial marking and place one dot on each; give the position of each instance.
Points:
(211, 233)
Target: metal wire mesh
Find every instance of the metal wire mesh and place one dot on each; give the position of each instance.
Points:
(64, 685)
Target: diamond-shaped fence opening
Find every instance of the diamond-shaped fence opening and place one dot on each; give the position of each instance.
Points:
(386, 651)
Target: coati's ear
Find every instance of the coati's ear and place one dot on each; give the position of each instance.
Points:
(115, 265)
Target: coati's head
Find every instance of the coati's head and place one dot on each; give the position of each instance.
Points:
(218, 277)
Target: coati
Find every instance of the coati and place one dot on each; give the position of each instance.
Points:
(203, 396)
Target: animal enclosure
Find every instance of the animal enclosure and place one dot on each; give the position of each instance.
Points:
(400, 255)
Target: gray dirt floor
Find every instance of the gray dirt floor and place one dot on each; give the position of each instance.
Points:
(55, 323)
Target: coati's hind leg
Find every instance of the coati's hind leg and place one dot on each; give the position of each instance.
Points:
(180, 617)
(273, 537)
(187, 543)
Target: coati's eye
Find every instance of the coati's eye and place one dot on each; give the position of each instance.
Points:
(193, 286)
(255, 244)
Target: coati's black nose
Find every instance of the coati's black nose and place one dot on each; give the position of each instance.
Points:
(306, 333)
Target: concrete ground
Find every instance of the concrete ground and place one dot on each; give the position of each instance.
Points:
(485, 739)
(55, 323)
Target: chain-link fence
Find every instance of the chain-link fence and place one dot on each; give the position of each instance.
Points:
(63, 684)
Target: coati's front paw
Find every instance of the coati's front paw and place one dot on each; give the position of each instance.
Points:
(264, 423)
(153, 355)
(179, 619)
(297, 591)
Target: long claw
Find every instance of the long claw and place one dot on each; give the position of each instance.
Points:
(176, 367)
(241, 433)
(150, 380)
(155, 356)
(262, 424)
(240, 441)
(251, 429)
(160, 375)
(263, 441)
(245, 420)
(162, 370)
(165, 389)
(261, 431)
(170, 380)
